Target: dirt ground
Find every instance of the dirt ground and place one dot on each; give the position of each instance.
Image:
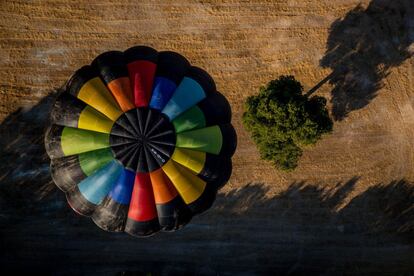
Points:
(365, 49)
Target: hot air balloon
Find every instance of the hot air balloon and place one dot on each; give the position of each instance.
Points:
(140, 141)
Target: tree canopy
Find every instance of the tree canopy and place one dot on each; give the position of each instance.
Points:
(282, 120)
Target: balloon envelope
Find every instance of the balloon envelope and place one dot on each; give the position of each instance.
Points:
(140, 141)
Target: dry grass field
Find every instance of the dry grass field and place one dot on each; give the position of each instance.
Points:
(347, 208)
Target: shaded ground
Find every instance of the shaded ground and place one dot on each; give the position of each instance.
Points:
(298, 231)
(348, 208)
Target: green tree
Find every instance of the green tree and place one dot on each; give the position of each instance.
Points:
(282, 120)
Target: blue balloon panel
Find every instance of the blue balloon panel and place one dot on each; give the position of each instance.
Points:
(96, 187)
(122, 190)
(162, 92)
(187, 94)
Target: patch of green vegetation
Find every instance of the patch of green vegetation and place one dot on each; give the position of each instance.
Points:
(282, 120)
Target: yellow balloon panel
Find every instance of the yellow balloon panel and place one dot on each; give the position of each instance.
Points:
(189, 186)
(95, 94)
(92, 120)
(194, 160)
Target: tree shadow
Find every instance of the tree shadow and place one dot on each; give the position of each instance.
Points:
(389, 209)
(305, 229)
(362, 47)
(24, 164)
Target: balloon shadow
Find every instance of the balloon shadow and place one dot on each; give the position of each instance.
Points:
(362, 47)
